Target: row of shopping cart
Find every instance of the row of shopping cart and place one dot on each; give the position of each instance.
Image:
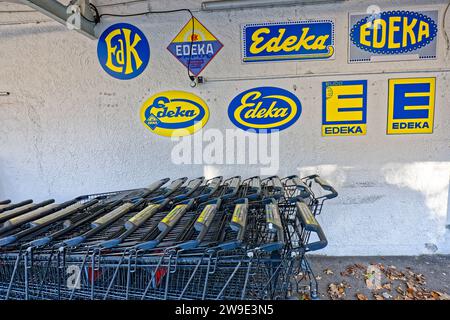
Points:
(185, 239)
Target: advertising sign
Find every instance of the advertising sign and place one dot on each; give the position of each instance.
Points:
(411, 105)
(393, 35)
(174, 113)
(264, 109)
(123, 51)
(344, 108)
(204, 47)
(301, 40)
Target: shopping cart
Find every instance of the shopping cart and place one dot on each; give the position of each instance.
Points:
(303, 188)
(198, 239)
(62, 221)
(184, 230)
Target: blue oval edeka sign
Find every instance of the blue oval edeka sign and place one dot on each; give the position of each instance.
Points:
(264, 109)
(123, 51)
(394, 32)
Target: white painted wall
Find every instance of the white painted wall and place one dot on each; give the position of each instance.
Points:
(68, 128)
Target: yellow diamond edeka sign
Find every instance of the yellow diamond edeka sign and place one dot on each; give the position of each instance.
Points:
(195, 49)
(344, 108)
(411, 105)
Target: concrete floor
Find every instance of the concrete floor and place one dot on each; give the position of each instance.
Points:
(406, 278)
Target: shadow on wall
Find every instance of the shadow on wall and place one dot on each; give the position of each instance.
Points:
(398, 208)
(448, 210)
(31, 29)
(2, 183)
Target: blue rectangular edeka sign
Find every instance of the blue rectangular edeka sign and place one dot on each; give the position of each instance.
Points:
(300, 40)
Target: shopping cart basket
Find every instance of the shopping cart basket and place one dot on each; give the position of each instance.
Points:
(197, 239)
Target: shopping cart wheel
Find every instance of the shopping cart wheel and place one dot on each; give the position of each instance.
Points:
(314, 295)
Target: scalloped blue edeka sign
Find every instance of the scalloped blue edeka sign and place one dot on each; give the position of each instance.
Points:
(393, 36)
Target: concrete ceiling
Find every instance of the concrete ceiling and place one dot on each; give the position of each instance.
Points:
(12, 12)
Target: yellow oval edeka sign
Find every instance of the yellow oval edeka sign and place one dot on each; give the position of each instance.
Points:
(174, 113)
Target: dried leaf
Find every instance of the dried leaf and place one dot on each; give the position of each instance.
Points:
(444, 296)
(410, 293)
(333, 291)
(304, 296)
(400, 290)
(410, 285)
(439, 295)
(336, 291)
(386, 295)
(352, 270)
(378, 297)
(360, 296)
(387, 286)
(420, 278)
(328, 271)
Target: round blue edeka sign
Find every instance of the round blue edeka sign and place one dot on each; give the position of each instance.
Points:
(123, 51)
(264, 109)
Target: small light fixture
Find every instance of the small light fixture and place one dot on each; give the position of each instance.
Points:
(4, 93)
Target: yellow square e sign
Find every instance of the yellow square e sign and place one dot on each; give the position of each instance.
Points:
(344, 108)
(411, 105)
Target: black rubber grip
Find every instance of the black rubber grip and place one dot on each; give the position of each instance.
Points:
(158, 184)
(327, 187)
(310, 224)
(16, 205)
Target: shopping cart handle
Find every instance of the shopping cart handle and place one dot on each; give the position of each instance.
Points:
(180, 197)
(322, 243)
(254, 184)
(270, 247)
(40, 242)
(16, 205)
(306, 217)
(5, 202)
(189, 244)
(110, 243)
(147, 245)
(276, 181)
(158, 198)
(325, 186)
(158, 184)
(232, 187)
(7, 240)
(231, 245)
(310, 223)
(74, 241)
(193, 185)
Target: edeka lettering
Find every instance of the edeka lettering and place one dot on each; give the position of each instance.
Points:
(410, 125)
(264, 109)
(343, 130)
(288, 41)
(344, 108)
(123, 51)
(174, 113)
(204, 50)
(411, 105)
(203, 43)
(394, 32)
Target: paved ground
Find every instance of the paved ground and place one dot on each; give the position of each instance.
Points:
(405, 278)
